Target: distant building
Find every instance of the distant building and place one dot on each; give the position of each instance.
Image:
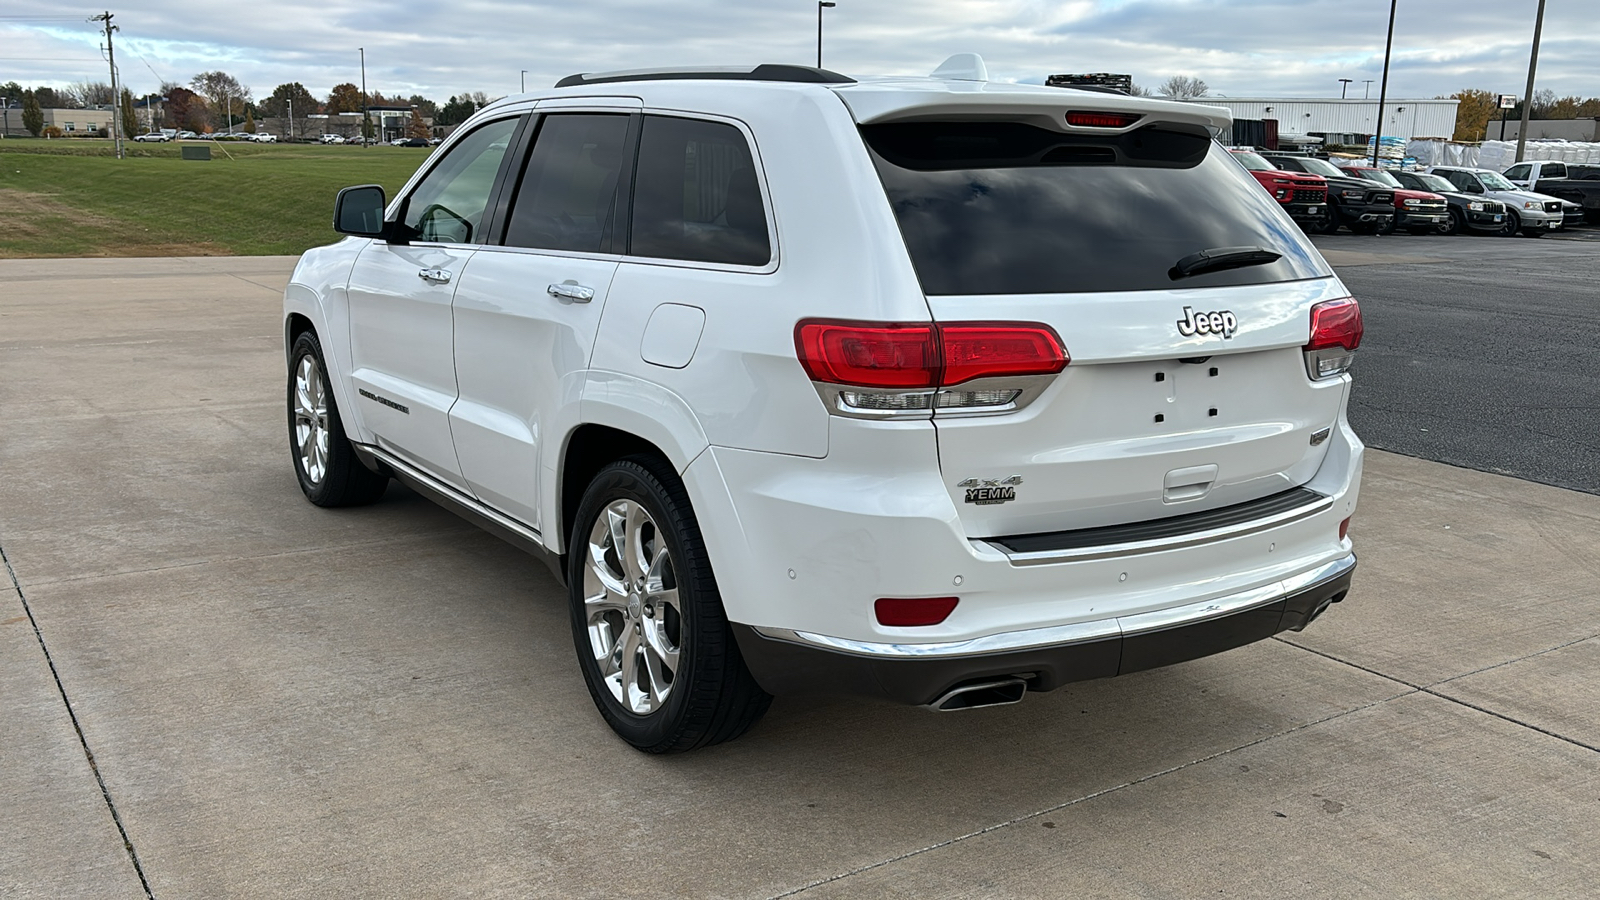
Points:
(1587, 130)
(393, 122)
(72, 122)
(1345, 121)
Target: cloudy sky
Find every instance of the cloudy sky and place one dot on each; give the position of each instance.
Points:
(1240, 47)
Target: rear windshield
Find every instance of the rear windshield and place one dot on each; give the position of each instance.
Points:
(1012, 208)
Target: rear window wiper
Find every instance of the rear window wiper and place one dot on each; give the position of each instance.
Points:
(1218, 258)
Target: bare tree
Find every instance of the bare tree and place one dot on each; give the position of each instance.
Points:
(221, 90)
(1183, 87)
(90, 93)
(1140, 91)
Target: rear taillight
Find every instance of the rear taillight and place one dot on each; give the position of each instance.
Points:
(1102, 119)
(898, 368)
(1335, 335)
(909, 612)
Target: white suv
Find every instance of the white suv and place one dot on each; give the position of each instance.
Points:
(933, 390)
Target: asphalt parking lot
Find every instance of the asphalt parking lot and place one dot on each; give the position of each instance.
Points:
(214, 689)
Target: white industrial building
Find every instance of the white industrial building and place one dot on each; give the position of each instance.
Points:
(1345, 121)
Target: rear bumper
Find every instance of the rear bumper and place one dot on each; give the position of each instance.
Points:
(787, 662)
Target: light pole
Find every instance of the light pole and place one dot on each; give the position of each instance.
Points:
(1366, 94)
(1527, 96)
(1344, 84)
(821, 5)
(1383, 90)
(5, 108)
(291, 119)
(524, 81)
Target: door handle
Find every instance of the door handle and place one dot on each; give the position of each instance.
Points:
(571, 290)
(437, 276)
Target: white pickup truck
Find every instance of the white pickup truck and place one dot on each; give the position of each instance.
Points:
(1577, 185)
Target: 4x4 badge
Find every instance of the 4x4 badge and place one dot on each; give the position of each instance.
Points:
(989, 491)
(1224, 323)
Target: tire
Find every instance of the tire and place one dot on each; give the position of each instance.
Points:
(1510, 226)
(324, 462)
(1329, 225)
(657, 654)
(1455, 224)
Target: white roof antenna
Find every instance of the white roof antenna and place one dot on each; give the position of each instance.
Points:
(962, 67)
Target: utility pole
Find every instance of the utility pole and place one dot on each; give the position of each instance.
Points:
(291, 119)
(116, 100)
(1366, 93)
(1383, 90)
(1527, 96)
(1344, 84)
(366, 121)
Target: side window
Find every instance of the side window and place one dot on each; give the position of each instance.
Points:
(1461, 180)
(567, 198)
(1519, 172)
(1553, 170)
(448, 205)
(696, 196)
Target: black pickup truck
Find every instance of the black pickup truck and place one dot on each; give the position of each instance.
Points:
(1573, 182)
(1355, 203)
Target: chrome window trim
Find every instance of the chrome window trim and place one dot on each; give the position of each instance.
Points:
(1081, 632)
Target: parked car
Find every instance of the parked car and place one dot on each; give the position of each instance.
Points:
(1467, 211)
(796, 412)
(1526, 212)
(187, 136)
(1418, 212)
(1357, 204)
(331, 139)
(1303, 197)
(411, 142)
(1577, 184)
(152, 137)
(262, 137)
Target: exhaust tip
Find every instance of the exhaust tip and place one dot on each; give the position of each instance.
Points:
(1000, 692)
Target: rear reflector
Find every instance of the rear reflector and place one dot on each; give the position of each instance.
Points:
(1344, 528)
(908, 612)
(909, 355)
(1102, 119)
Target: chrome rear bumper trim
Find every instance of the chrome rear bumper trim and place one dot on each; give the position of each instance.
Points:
(1081, 632)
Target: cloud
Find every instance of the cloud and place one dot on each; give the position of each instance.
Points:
(1242, 48)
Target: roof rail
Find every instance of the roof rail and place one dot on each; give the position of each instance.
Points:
(764, 72)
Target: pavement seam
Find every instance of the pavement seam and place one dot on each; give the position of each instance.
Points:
(298, 551)
(105, 793)
(1429, 688)
(987, 829)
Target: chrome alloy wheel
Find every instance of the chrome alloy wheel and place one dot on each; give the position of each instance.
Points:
(311, 419)
(631, 606)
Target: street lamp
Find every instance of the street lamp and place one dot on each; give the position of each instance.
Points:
(5, 108)
(821, 5)
(1344, 84)
(1383, 90)
(1367, 94)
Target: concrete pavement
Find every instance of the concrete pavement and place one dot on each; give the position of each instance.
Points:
(383, 702)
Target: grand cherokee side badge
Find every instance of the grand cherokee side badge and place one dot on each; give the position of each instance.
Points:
(1224, 323)
(989, 491)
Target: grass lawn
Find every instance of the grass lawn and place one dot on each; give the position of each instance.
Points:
(74, 198)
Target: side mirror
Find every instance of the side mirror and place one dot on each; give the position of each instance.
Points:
(1474, 188)
(359, 211)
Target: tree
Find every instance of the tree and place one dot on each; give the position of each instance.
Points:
(429, 109)
(49, 99)
(130, 118)
(417, 128)
(1474, 109)
(222, 93)
(455, 111)
(479, 98)
(344, 98)
(32, 114)
(1589, 109)
(1543, 102)
(250, 120)
(1183, 87)
(187, 110)
(89, 93)
(282, 95)
(1141, 91)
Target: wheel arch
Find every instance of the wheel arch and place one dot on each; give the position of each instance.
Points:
(589, 448)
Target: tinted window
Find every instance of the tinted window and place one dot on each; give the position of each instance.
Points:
(696, 196)
(448, 205)
(1009, 208)
(1463, 181)
(1519, 171)
(567, 196)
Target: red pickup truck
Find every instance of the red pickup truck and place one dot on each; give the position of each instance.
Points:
(1303, 197)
